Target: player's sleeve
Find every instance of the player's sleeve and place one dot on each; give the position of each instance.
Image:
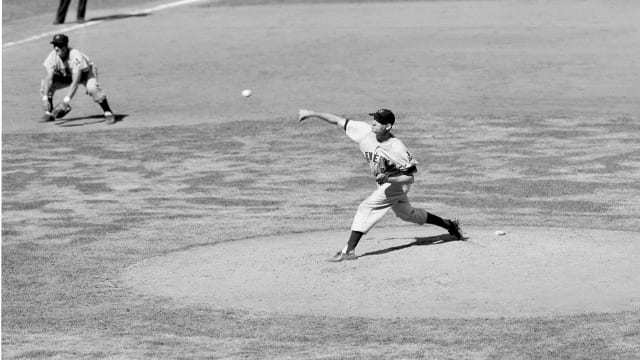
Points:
(49, 62)
(78, 61)
(402, 159)
(356, 130)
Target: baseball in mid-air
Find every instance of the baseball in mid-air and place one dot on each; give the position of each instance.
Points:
(246, 93)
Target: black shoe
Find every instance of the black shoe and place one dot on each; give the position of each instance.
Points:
(454, 229)
(80, 20)
(58, 22)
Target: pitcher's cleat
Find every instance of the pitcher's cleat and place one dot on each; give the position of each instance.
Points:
(108, 116)
(340, 256)
(454, 229)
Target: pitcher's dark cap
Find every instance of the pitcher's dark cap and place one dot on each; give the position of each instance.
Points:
(384, 116)
(60, 39)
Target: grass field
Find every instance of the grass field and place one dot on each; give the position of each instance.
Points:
(521, 114)
(16, 10)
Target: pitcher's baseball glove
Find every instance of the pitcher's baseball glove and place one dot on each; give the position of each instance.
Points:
(60, 110)
(385, 169)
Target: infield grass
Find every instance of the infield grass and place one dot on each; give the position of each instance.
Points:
(81, 204)
(13, 10)
(79, 209)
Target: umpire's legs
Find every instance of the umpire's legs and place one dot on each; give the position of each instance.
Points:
(82, 8)
(61, 14)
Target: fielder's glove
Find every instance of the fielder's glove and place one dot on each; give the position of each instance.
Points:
(60, 110)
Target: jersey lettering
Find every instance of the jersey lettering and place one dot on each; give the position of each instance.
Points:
(373, 151)
(371, 156)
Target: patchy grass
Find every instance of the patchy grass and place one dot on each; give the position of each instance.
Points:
(77, 220)
(80, 206)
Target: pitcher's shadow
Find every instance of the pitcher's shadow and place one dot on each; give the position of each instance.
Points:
(419, 241)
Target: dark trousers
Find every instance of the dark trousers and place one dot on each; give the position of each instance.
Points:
(64, 6)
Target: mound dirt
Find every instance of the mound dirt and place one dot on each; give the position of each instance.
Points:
(407, 272)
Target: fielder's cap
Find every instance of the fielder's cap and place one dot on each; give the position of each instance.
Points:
(60, 39)
(384, 116)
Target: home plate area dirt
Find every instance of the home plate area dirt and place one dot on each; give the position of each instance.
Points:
(407, 272)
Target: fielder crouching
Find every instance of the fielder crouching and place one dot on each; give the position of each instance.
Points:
(69, 67)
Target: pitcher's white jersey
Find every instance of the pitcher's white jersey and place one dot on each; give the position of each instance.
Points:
(392, 149)
(386, 196)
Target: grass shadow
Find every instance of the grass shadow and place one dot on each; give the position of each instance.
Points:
(419, 241)
(87, 120)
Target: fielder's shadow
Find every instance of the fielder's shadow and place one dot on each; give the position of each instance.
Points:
(87, 120)
(420, 241)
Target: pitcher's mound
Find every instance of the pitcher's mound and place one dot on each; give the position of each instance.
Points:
(407, 271)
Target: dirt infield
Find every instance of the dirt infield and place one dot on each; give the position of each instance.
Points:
(527, 272)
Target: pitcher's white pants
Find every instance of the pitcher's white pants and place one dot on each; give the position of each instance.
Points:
(387, 196)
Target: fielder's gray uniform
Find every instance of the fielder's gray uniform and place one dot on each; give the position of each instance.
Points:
(62, 70)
